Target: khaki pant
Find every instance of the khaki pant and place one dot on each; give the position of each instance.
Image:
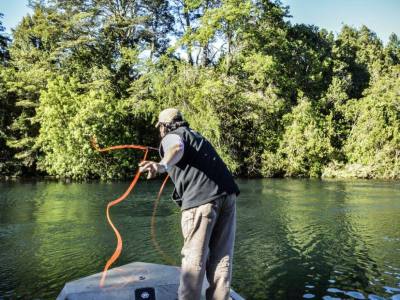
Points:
(209, 235)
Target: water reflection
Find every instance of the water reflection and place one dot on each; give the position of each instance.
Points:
(52, 233)
(296, 239)
(319, 235)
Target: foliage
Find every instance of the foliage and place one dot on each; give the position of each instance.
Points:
(71, 114)
(305, 146)
(4, 40)
(197, 92)
(8, 111)
(374, 140)
(276, 99)
(29, 69)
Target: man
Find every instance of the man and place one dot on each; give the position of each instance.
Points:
(206, 192)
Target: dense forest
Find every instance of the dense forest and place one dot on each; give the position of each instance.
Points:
(276, 99)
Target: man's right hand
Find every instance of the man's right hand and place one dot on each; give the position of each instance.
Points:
(151, 167)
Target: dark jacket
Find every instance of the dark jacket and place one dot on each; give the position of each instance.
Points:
(200, 176)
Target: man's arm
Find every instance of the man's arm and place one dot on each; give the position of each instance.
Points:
(171, 157)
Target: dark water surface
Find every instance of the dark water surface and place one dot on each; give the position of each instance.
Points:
(296, 239)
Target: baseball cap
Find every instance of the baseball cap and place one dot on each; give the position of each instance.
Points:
(169, 115)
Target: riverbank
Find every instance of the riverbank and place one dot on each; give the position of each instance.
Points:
(358, 171)
(351, 172)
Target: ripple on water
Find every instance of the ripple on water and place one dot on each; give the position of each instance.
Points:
(396, 297)
(334, 290)
(330, 298)
(391, 239)
(375, 297)
(391, 290)
(355, 295)
(308, 296)
(388, 273)
(310, 286)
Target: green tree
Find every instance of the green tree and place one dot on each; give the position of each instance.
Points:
(276, 99)
(31, 66)
(70, 114)
(8, 111)
(392, 50)
(98, 43)
(194, 90)
(4, 40)
(358, 57)
(112, 35)
(374, 141)
(305, 148)
(309, 59)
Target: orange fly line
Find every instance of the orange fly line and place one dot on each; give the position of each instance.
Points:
(118, 249)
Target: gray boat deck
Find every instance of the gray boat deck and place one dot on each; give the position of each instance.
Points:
(138, 281)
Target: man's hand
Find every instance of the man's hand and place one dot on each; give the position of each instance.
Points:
(151, 167)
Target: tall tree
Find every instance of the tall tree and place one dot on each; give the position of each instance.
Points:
(34, 41)
(309, 59)
(8, 111)
(4, 40)
(374, 141)
(114, 34)
(392, 49)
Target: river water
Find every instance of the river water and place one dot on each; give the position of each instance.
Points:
(296, 239)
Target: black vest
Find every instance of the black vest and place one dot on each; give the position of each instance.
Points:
(200, 176)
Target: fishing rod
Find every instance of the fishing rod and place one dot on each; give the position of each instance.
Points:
(118, 248)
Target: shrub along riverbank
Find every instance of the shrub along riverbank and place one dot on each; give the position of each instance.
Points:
(276, 99)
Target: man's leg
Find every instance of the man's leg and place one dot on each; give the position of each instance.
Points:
(219, 266)
(197, 226)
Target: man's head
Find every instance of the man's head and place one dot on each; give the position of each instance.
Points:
(169, 119)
